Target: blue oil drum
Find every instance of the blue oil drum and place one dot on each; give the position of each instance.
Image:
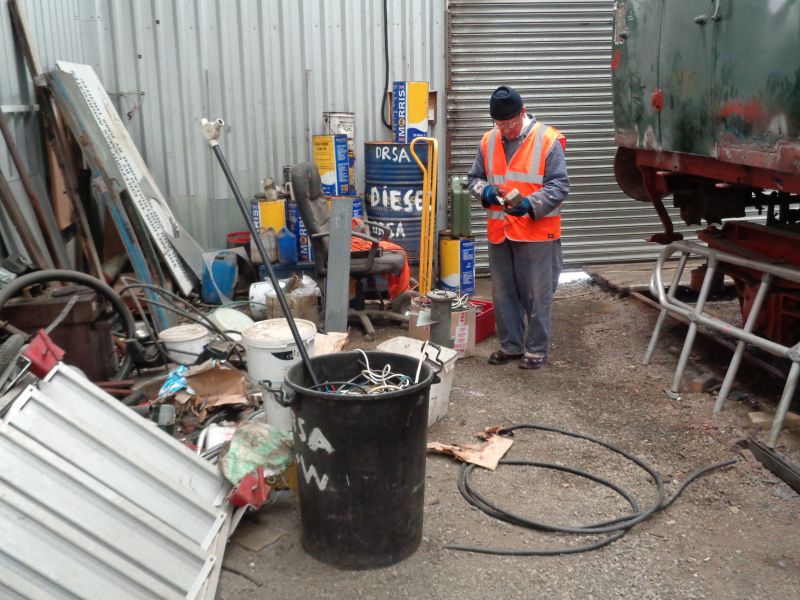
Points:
(393, 194)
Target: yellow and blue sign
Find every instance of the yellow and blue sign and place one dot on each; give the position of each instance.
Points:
(409, 110)
(332, 160)
(457, 265)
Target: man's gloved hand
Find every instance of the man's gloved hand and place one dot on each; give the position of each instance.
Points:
(521, 209)
(491, 195)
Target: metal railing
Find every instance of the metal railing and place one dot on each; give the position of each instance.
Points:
(697, 316)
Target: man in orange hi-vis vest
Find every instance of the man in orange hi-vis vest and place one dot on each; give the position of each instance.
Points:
(520, 177)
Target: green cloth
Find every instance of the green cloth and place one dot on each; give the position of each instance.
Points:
(254, 445)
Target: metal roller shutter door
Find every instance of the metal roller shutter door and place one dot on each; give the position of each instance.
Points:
(557, 55)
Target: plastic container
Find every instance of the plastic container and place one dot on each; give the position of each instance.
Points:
(484, 320)
(270, 240)
(361, 462)
(231, 321)
(271, 351)
(440, 392)
(287, 247)
(184, 343)
(220, 280)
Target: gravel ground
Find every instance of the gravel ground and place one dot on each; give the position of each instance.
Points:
(732, 535)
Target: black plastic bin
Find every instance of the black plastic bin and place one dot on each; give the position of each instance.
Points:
(360, 462)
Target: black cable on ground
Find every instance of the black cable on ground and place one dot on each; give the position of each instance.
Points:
(615, 527)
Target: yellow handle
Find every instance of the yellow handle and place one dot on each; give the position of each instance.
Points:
(427, 228)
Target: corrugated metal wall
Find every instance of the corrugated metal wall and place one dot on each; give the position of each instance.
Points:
(557, 55)
(269, 69)
(56, 26)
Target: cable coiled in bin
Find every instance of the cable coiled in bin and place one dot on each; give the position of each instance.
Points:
(615, 527)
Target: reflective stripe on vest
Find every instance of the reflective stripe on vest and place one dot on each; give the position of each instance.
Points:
(526, 175)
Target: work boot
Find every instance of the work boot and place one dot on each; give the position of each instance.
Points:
(532, 362)
(501, 358)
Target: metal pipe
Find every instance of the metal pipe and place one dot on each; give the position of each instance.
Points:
(211, 131)
(662, 316)
(730, 375)
(786, 400)
(38, 254)
(692, 333)
(44, 212)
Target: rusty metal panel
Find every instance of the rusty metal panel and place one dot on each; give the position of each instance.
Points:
(558, 55)
(729, 73)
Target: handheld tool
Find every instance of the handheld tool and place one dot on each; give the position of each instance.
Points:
(512, 198)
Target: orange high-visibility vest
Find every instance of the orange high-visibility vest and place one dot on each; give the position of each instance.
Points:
(525, 173)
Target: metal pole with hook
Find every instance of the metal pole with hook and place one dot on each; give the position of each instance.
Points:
(211, 132)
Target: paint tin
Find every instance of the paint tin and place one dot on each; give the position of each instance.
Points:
(332, 160)
(298, 228)
(409, 110)
(340, 123)
(351, 163)
(185, 343)
(457, 264)
(267, 213)
(271, 351)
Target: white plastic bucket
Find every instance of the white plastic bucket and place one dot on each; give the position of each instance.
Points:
(439, 398)
(184, 343)
(271, 351)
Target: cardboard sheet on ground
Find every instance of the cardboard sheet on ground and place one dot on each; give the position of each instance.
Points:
(215, 384)
(486, 454)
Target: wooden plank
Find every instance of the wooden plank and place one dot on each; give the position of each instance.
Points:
(765, 419)
(62, 207)
(63, 169)
(337, 282)
(19, 22)
(635, 277)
